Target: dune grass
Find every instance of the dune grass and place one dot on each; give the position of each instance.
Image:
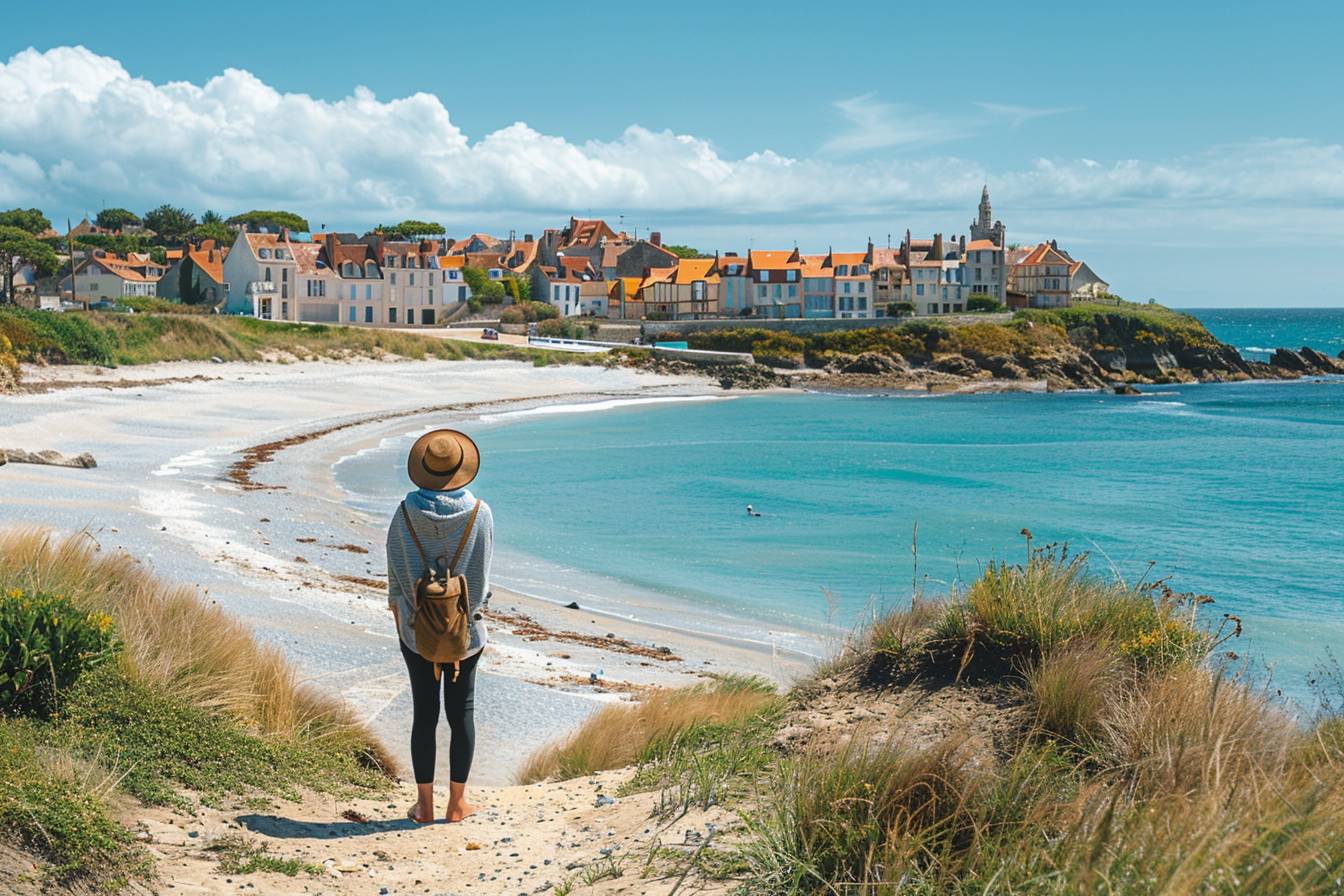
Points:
(1140, 767)
(191, 703)
(111, 339)
(175, 641)
(624, 734)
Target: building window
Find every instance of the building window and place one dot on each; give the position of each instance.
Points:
(268, 275)
(847, 287)
(263, 253)
(392, 278)
(391, 315)
(368, 292)
(352, 314)
(368, 314)
(284, 311)
(284, 275)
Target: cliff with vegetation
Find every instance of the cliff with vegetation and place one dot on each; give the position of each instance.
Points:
(1080, 347)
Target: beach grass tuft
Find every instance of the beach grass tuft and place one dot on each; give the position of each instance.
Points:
(1142, 765)
(624, 734)
(189, 704)
(176, 641)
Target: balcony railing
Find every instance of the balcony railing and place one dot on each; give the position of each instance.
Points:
(257, 287)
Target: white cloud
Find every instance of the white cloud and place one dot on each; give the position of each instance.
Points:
(1020, 115)
(878, 125)
(78, 131)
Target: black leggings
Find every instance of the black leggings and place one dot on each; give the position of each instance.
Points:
(458, 699)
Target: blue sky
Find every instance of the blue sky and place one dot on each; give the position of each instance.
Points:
(1171, 145)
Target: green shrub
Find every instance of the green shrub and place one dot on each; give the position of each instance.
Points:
(48, 643)
(528, 312)
(10, 374)
(157, 305)
(978, 302)
(776, 348)
(54, 808)
(68, 338)
(562, 328)
(164, 742)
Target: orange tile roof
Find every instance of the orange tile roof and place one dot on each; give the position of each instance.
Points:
(210, 262)
(447, 262)
(587, 232)
(631, 285)
(851, 258)
(886, 258)
(815, 266)
(773, 259)
(981, 244)
(690, 270)
(1044, 253)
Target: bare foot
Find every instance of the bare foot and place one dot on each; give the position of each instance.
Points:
(418, 816)
(459, 810)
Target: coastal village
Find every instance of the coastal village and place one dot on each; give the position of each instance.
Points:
(267, 266)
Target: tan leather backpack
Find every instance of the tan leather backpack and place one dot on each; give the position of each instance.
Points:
(442, 621)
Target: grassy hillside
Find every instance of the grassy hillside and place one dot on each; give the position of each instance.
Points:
(111, 339)
(1044, 732)
(1032, 333)
(116, 687)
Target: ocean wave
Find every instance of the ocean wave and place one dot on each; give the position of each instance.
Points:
(591, 406)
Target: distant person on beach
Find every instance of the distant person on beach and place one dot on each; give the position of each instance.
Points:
(439, 546)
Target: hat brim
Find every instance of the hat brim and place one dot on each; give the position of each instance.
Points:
(466, 471)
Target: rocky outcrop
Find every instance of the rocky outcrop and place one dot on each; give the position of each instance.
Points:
(47, 458)
(869, 363)
(957, 365)
(748, 376)
(1305, 362)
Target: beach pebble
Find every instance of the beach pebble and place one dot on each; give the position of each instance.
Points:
(604, 800)
(572, 605)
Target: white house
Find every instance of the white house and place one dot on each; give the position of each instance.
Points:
(107, 276)
(260, 273)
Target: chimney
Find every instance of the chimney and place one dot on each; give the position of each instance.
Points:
(656, 238)
(1054, 245)
(936, 252)
(527, 237)
(329, 243)
(284, 234)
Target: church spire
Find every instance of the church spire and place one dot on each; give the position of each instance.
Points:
(986, 216)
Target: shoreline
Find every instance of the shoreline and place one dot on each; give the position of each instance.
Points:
(162, 493)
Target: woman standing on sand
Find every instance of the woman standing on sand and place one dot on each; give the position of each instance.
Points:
(442, 527)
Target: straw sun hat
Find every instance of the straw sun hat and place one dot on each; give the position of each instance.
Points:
(443, 460)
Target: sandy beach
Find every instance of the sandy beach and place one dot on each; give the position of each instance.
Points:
(275, 544)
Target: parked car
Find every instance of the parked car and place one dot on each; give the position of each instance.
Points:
(490, 333)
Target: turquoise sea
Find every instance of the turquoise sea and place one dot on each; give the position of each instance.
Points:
(1231, 490)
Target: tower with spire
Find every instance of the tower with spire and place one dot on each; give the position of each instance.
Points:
(982, 229)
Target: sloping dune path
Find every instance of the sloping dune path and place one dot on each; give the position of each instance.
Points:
(522, 839)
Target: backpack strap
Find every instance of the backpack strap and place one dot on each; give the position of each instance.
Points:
(466, 532)
(415, 538)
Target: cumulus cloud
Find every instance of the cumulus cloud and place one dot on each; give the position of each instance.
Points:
(77, 131)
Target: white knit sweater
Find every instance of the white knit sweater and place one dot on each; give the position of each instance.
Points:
(438, 518)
